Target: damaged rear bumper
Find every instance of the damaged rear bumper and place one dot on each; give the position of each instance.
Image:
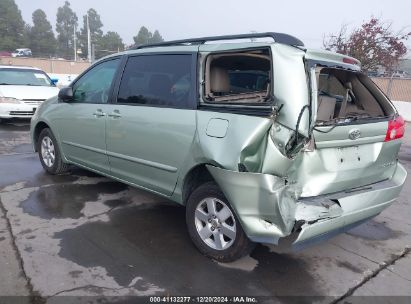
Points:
(268, 208)
(355, 206)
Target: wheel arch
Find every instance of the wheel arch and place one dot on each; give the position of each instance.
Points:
(40, 126)
(195, 177)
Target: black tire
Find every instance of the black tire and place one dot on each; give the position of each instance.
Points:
(58, 166)
(240, 245)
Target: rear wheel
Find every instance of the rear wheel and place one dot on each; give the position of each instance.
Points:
(213, 225)
(49, 153)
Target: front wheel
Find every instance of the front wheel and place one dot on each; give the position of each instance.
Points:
(49, 153)
(213, 225)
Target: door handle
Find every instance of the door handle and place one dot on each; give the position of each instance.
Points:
(99, 113)
(115, 114)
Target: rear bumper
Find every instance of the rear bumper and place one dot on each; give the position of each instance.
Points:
(355, 207)
(268, 209)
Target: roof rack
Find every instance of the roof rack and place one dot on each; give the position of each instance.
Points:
(277, 37)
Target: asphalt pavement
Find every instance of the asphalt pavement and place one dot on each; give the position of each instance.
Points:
(81, 234)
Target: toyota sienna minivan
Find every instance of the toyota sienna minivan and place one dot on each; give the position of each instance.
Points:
(259, 140)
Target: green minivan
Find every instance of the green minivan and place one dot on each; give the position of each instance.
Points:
(259, 137)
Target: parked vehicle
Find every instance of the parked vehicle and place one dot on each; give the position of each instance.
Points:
(373, 74)
(400, 74)
(258, 140)
(22, 53)
(22, 90)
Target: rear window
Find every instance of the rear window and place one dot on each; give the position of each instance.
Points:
(344, 94)
(157, 80)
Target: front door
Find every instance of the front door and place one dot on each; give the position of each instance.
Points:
(81, 123)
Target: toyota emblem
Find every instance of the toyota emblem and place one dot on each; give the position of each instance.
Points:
(354, 134)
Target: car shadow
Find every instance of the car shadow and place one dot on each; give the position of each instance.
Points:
(14, 125)
(151, 241)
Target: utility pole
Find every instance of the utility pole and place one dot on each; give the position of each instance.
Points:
(88, 40)
(93, 52)
(75, 43)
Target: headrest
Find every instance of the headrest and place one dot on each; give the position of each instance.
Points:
(219, 80)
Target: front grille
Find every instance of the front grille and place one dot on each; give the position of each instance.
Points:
(21, 113)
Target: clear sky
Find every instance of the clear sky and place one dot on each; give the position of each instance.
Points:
(308, 20)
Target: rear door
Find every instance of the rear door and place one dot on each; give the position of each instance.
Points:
(81, 123)
(151, 126)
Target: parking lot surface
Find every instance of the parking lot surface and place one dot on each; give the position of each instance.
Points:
(82, 234)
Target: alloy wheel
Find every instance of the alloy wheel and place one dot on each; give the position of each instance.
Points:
(48, 153)
(215, 223)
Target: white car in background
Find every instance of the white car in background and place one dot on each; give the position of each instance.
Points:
(22, 90)
(22, 53)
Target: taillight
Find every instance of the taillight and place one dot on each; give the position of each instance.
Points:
(396, 129)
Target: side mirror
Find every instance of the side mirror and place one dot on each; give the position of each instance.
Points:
(66, 94)
(54, 81)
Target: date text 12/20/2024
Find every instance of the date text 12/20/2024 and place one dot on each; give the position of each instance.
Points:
(199, 299)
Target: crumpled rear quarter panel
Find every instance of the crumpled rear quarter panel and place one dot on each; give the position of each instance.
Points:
(266, 199)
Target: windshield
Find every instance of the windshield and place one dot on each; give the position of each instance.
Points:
(24, 77)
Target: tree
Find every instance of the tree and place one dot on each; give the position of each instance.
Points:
(156, 37)
(144, 36)
(11, 26)
(110, 43)
(374, 44)
(66, 23)
(95, 31)
(41, 37)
